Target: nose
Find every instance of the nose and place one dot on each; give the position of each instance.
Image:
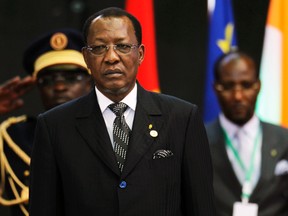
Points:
(111, 56)
(60, 86)
(59, 83)
(238, 93)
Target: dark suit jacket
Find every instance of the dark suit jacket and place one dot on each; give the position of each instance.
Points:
(271, 192)
(74, 170)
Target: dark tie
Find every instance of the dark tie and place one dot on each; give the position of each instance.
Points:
(121, 132)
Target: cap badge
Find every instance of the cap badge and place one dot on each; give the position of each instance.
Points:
(58, 41)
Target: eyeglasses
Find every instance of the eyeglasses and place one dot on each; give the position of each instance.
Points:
(49, 80)
(243, 86)
(120, 49)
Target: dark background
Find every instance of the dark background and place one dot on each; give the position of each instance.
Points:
(181, 33)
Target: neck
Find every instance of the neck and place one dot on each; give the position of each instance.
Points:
(116, 95)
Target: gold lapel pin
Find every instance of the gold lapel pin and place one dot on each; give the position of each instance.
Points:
(273, 152)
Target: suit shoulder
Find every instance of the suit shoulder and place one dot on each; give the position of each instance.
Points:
(213, 130)
(171, 100)
(212, 126)
(68, 109)
(273, 128)
(169, 105)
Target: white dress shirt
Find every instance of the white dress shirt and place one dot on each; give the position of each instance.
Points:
(251, 135)
(109, 116)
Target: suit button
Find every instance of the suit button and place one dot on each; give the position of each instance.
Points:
(123, 184)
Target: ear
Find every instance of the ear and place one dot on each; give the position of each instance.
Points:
(258, 86)
(141, 51)
(215, 87)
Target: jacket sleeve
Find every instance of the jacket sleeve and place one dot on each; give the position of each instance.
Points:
(45, 187)
(197, 187)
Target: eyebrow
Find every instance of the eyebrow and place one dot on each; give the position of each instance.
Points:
(120, 39)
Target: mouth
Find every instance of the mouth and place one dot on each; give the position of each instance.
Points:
(60, 100)
(239, 109)
(239, 106)
(113, 73)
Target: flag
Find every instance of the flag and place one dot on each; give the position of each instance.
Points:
(272, 103)
(143, 10)
(221, 39)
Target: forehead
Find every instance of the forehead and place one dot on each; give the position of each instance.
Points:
(111, 28)
(235, 69)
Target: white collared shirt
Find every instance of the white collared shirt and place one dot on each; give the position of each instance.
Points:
(251, 131)
(109, 116)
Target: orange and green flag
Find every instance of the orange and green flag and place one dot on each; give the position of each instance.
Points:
(272, 104)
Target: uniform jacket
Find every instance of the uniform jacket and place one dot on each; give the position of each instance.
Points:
(74, 169)
(22, 134)
(271, 192)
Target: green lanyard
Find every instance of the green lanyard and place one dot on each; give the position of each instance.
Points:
(246, 190)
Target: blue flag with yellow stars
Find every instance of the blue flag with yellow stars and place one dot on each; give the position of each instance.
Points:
(221, 39)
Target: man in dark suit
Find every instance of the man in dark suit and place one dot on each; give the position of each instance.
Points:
(80, 164)
(249, 156)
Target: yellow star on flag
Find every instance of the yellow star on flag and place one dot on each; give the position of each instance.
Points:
(225, 45)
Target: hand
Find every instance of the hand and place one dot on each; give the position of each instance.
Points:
(12, 90)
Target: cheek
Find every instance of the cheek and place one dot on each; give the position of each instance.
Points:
(225, 99)
(96, 75)
(46, 93)
(253, 100)
(93, 63)
(77, 90)
(131, 66)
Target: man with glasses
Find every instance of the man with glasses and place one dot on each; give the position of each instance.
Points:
(249, 156)
(120, 150)
(57, 66)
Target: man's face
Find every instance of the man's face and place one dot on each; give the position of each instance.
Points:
(114, 72)
(237, 89)
(58, 85)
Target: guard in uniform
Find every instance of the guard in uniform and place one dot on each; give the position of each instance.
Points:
(56, 61)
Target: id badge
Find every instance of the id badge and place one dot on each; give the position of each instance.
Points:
(247, 209)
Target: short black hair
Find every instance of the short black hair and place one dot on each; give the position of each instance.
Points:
(113, 12)
(238, 54)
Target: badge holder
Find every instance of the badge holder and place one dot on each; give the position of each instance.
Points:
(244, 207)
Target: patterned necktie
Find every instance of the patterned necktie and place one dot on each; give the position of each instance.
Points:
(121, 132)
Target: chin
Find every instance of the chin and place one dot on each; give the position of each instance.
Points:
(240, 120)
(118, 90)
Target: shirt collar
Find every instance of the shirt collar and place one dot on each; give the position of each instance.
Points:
(130, 99)
(250, 128)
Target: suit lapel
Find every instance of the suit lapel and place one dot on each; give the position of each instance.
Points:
(222, 163)
(270, 142)
(146, 113)
(92, 128)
